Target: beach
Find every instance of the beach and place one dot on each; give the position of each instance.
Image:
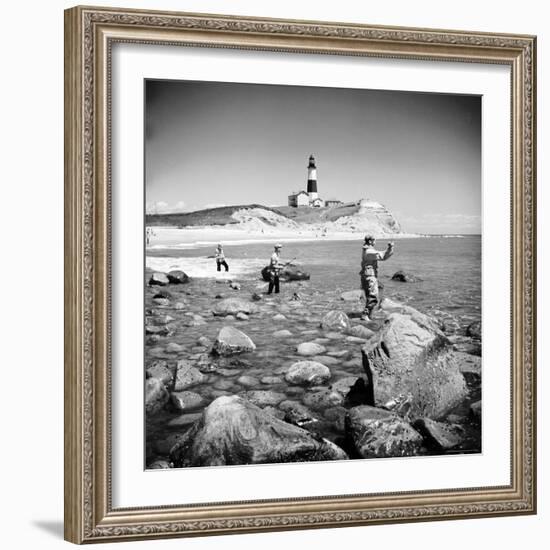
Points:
(183, 326)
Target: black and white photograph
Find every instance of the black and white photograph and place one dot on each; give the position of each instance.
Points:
(312, 277)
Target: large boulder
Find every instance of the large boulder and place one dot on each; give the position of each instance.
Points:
(156, 395)
(159, 279)
(336, 321)
(377, 433)
(231, 340)
(177, 277)
(160, 369)
(234, 431)
(412, 366)
(291, 272)
(307, 373)
(232, 306)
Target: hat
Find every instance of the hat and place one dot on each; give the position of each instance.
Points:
(278, 245)
(369, 238)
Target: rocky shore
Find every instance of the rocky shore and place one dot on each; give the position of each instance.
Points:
(233, 376)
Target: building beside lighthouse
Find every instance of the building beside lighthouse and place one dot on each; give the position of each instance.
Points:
(311, 196)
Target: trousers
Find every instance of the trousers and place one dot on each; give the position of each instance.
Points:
(224, 263)
(273, 283)
(369, 284)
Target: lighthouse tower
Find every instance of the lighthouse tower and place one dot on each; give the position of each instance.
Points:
(312, 179)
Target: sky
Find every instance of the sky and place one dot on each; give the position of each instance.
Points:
(212, 144)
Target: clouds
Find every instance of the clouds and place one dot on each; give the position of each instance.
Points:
(162, 207)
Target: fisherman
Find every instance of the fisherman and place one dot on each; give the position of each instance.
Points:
(275, 268)
(369, 273)
(220, 259)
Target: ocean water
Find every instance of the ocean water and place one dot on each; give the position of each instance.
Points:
(448, 269)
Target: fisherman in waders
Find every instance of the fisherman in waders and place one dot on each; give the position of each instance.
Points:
(369, 273)
(275, 268)
(220, 259)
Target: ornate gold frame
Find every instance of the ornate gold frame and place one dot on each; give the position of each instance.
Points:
(89, 35)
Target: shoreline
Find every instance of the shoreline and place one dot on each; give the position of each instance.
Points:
(175, 238)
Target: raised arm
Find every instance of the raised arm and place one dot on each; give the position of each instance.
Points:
(387, 253)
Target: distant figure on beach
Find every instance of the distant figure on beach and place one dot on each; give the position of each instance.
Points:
(148, 235)
(220, 259)
(275, 268)
(369, 273)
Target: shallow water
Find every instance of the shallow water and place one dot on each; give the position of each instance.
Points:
(449, 289)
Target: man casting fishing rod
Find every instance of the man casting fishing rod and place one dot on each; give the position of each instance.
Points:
(275, 268)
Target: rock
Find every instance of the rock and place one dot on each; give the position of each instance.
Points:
(282, 334)
(298, 414)
(235, 286)
(161, 301)
(204, 363)
(271, 380)
(355, 340)
(256, 297)
(187, 376)
(160, 320)
(156, 395)
(159, 331)
(177, 277)
(340, 354)
(186, 400)
(474, 330)
(233, 431)
(223, 384)
(289, 273)
(159, 464)
(344, 385)
(336, 320)
(361, 393)
(162, 293)
(337, 416)
(273, 411)
(439, 436)
(307, 373)
(326, 360)
(310, 348)
(279, 317)
(184, 419)
(264, 398)
(159, 369)
(322, 399)
(377, 433)
(352, 296)
(295, 297)
(241, 316)
(204, 341)
(231, 340)
(172, 347)
(248, 381)
(404, 277)
(360, 331)
(179, 305)
(475, 410)
(469, 364)
(160, 279)
(412, 362)
(232, 306)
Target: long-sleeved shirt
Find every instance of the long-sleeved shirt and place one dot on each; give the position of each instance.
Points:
(370, 257)
(220, 256)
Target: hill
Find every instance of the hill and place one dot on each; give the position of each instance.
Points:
(361, 216)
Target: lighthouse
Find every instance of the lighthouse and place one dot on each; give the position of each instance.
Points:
(312, 179)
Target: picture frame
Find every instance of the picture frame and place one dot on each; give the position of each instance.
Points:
(90, 34)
